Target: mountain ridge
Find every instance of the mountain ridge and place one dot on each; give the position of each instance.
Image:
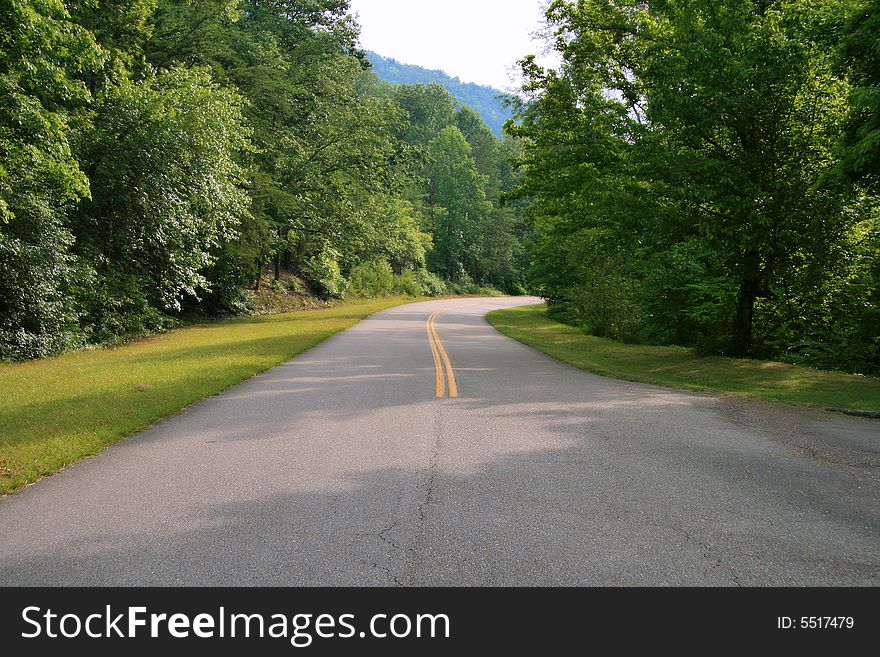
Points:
(481, 98)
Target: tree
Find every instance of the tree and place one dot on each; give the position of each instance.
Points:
(429, 109)
(860, 55)
(43, 55)
(156, 154)
(687, 147)
(457, 199)
(744, 111)
(165, 191)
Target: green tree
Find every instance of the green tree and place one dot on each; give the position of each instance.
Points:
(745, 110)
(457, 199)
(43, 56)
(860, 54)
(687, 148)
(323, 135)
(156, 154)
(429, 108)
(165, 191)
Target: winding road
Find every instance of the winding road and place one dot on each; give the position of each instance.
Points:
(422, 447)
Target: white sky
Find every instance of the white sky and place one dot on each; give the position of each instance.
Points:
(476, 40)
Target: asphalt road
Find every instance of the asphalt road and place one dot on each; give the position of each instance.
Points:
(343, 467)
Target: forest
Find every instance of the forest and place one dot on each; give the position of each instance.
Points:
(699, 173)
(162, 160)
(488, 102)
(704, 173)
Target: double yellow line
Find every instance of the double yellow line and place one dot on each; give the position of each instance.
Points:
(441, 358)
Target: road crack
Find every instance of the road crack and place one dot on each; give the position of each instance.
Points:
(431, 470)
(394, 547)
(707, 553)
(385, 539)
(426, 494)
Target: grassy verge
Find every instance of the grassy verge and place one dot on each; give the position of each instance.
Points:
(58, 410)
(680, 368)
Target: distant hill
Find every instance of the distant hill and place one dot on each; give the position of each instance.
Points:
(482, 100)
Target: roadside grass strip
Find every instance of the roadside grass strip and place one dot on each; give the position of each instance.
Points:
(56, 411)
(677, 367)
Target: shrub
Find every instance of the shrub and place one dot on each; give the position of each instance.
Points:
(430, 285)
(119, 306)
(374, 278)
(38, 311)
(225, 296)
(486, 291)
(324, 275)
(408, 283)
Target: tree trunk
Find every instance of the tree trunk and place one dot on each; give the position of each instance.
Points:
(744, 321)
(259, 275)
(277, 266)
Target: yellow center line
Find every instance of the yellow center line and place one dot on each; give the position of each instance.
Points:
(437, 367)
(450, 375)
(441, 358)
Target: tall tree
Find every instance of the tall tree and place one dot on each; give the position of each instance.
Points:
(165, 190)
(458, 204)
(429, 108)
(860, 52)
(695, 139)
(43, 57)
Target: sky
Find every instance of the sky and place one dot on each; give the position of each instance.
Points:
(476, 40)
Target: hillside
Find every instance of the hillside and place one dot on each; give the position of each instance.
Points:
(484, 100)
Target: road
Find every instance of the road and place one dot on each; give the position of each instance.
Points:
(344, 467)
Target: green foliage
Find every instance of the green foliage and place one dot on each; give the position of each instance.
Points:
(157, 156)
(165, 184)
(225, 296)
(456, 187)
(860, 55)
(680, 174)
(430, 285)
(372, 279)
(389, 228)
(324, 274)
(408, 283)
(120, 306)
(376, 278)
(486, 101)
(429, 109)
(38, 317)
(42, 55)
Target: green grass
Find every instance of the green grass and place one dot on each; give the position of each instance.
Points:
(56, 411)
(680, 368)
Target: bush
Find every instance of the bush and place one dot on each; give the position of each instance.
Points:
(224, 296)
(324, 275)
(38, 310)
(487, 291)
(374, 278)
(166, 186)
(430, 285)
(120, 306)
(408, 283)
(462, 285)
(467, 285)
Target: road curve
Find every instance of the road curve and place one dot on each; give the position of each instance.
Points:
(346, 466)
